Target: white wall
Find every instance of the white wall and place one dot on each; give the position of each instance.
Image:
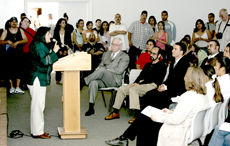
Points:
(183, 13)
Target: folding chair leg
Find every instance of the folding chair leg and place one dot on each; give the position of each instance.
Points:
(103, 97)
(199, 141)
(112, 99)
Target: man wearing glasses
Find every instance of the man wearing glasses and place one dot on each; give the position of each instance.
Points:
(109, 73)
(150, 77)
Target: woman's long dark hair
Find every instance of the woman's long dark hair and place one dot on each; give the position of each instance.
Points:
(102, 29)
(210, 71)
(79, 22)
(152, 17)
(40, 35)
(203, 26)
(57, 27)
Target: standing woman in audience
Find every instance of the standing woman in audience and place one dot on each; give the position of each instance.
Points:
(227, 51)
(104, 35)
(85, 33)
(161, 37)
(170, 128)
(77, 35)
(152, 21)
(201, 36)
(42, 56)
(145, 57)
(61, 34)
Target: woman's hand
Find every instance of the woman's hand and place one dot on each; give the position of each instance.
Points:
(56, 47)
(165, 110)
(153, 117)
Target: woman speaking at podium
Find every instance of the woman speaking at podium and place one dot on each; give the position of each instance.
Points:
(42, 56)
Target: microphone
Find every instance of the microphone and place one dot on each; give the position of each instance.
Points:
(59, 43)
(62, 45)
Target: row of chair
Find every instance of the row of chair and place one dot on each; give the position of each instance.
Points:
(199, 125)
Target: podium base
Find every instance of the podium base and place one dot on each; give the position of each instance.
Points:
(72, 135)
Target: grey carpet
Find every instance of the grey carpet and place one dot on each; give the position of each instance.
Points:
(98, 129)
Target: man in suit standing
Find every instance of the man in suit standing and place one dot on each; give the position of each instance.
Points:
(174, 84)
(109, 73)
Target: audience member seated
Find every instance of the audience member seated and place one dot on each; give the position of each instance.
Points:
(152, 21)
(222, 69)
(30, 33)
(85, 33)
(170, 128)
(14, 38)
(190, 54)
(221, 137)
(174, 84)
(201, 54)
(77, 35)
(188, 38)
(201, 36)
(213, 51)
(119, 29)
(145, 57)
(109, 73)
(95, 49)
(63, 35)
(151, 76)
(227, 51)
(104, 35)
(98, 25)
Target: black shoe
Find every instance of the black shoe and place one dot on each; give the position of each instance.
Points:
(118, 142)
(89, 112)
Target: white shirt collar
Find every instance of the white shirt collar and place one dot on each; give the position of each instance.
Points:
(212, 56)
(176, 61)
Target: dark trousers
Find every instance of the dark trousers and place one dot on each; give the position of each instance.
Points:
(145, 129)
(134, 53)
(25, 64)
(157, 99)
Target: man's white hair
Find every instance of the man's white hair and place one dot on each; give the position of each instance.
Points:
(120, 42)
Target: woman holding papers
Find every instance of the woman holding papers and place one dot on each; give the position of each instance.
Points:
(166, 127)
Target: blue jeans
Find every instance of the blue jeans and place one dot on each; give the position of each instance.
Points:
(220, 138)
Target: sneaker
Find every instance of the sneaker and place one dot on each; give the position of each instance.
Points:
(19, 91)
(12, 90)
(118, 142)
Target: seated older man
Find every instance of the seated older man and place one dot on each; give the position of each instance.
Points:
(109, 73)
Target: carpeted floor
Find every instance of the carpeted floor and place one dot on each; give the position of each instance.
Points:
(98, 129)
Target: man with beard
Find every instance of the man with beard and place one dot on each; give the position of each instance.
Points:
(109, 73)
(150, 77)
(14, 38)
(95, 49)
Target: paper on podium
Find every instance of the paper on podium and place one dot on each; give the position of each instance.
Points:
(81, 61)
(225, 127)
(149, 110)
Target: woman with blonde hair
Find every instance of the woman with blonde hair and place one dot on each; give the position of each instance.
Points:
(170, 128)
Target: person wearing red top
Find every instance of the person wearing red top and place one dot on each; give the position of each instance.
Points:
(145, 57)
(30, 33)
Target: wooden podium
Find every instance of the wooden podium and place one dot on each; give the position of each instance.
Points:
(71, 66)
